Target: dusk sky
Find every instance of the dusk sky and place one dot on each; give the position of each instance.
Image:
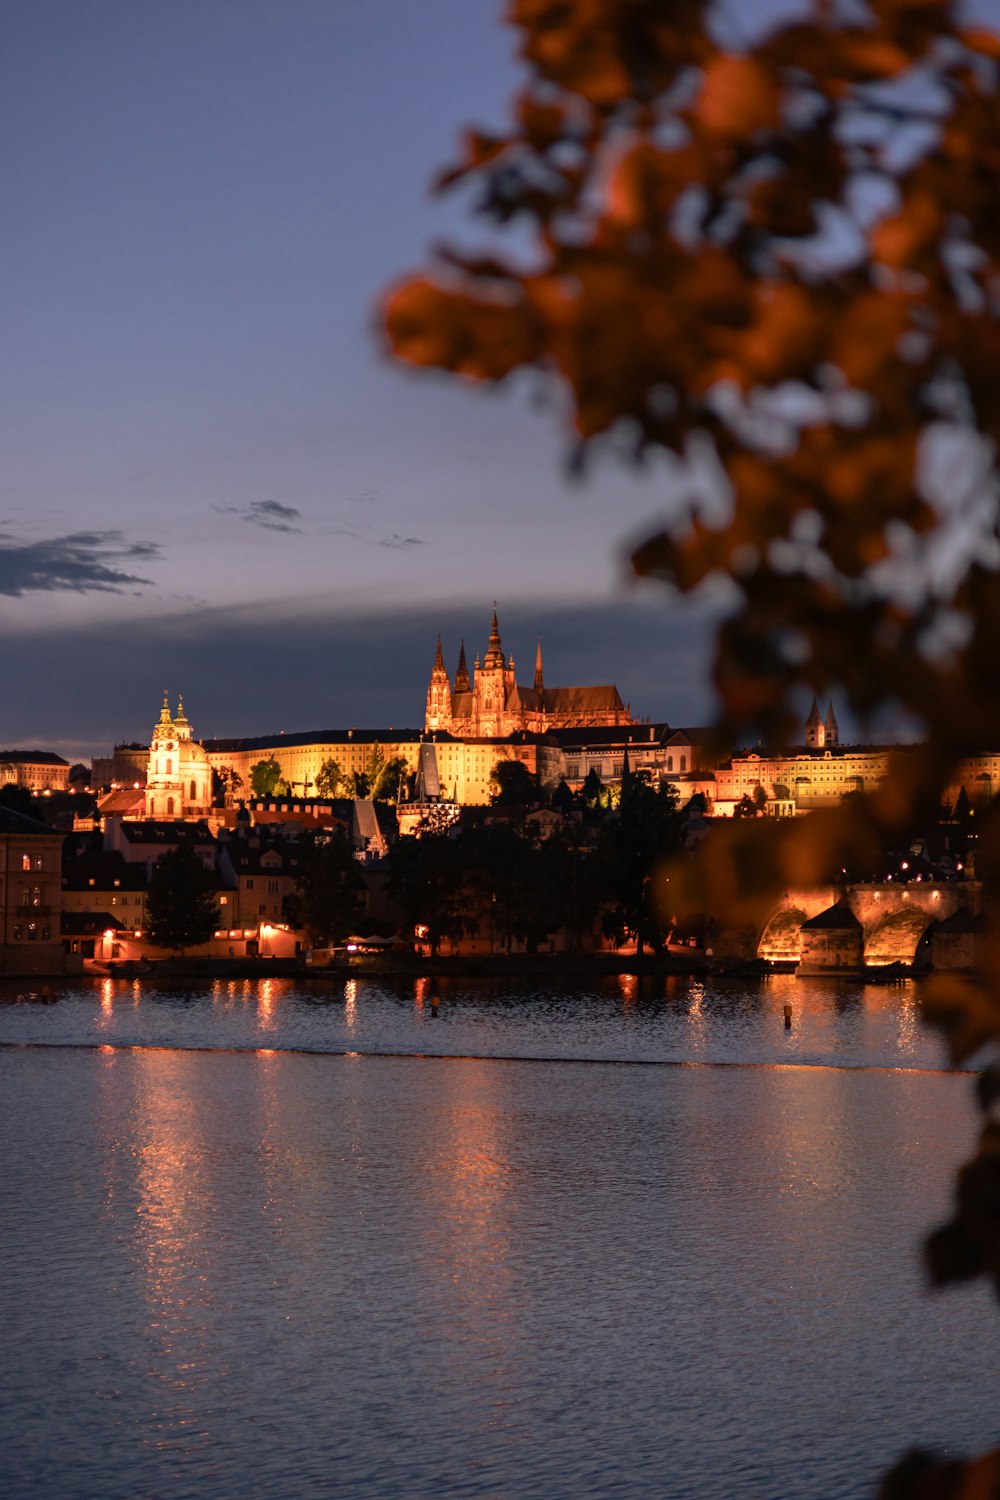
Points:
(215, 481)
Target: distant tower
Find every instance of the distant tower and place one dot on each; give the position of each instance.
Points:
(539, 674)
(462, 683)
(831, 727)
(438, 695)
(815, 729)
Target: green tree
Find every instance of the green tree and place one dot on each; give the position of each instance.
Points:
(329, 895)
(513, 785)
(181, 901)
(745, 807)
(329, 778)
(391, 773)
(265, 777)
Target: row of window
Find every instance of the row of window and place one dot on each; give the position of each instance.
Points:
(34, 932)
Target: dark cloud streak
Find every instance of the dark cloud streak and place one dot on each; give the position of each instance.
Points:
(271, 515)
(85, 562)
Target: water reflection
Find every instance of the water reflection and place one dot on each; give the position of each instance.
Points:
(177, 1237)
(351, 1005)
(259, 1273)
(627, 1017)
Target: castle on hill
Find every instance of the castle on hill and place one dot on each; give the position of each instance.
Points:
(491, 704)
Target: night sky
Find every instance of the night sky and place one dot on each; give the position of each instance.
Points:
(214, 481)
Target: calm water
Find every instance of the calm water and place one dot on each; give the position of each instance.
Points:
(267, 1241)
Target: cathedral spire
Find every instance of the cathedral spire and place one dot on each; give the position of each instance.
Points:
(462, 684)
(438, 715)
(494, 653)
(539, 674)
(165, 720)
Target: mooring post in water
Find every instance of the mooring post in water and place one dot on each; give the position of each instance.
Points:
(435, 1001)
(788, 1017)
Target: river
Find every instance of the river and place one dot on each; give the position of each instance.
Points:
(630, 1239)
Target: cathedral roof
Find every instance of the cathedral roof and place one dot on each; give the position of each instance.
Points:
(582, 700)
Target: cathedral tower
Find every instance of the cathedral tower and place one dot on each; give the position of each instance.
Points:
(494, 681)
(438, 714)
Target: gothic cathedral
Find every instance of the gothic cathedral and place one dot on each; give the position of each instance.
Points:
(493, 705)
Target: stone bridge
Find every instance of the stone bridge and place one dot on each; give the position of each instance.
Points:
(895, 919)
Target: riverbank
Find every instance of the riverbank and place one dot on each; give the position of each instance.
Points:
(684, 962)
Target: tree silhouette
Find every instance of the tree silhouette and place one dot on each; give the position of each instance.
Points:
(181, 901)
(329, 890)
(512, 785)
(776, 257)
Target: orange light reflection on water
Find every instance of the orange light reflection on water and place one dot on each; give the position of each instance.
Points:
(265, 1004)
(351, 1004)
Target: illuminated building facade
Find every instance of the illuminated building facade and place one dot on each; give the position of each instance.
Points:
(178, 774)
(491, 704)
(30, 896)
(37, 770)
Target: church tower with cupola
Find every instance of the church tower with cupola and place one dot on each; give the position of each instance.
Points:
(179, 777)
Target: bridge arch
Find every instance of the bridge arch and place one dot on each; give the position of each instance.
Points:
(781, 940)
(896, 938)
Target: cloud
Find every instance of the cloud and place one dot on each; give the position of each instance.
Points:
(372, 537)
(393, 539)
(85, 562)
(269, 514)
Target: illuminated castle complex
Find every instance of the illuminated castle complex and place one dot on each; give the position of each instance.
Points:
(492, 704)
